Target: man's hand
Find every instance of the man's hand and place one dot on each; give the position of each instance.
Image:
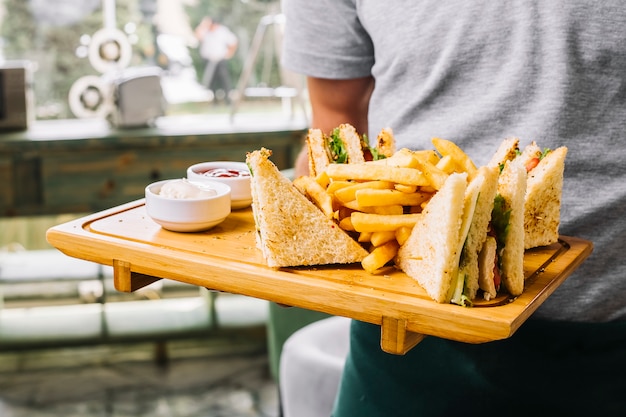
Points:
(334, 102)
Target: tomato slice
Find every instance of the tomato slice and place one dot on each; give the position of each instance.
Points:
(497, 278)
(531, 164)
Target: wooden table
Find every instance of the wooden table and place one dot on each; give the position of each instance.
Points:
(225, 258)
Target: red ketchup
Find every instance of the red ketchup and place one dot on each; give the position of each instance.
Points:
(224, 173)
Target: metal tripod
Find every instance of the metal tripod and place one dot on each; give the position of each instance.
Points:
(291, 86)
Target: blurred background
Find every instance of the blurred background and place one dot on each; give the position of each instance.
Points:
(56, 36)
(99, 98)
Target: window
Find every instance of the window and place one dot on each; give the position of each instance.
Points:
(58, 38)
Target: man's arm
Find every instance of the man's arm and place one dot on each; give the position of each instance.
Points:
(201, 28)
(334, 102)
(232, 48)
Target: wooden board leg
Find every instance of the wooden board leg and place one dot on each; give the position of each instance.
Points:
(126, 281)
(395, 339)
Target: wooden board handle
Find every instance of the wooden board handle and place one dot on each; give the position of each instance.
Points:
(394, 337)
(125, 280)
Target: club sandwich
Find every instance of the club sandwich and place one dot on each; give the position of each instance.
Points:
(290, 229)
(345, 145)
(507, 223)
(469, 238)
(442, 252)
(542, 201)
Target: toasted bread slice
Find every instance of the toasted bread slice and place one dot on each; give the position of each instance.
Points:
(512, 188)
(385, 143)
(542, 205)
(316, 149)
(352, 142)
(507, 151)
(430, 255)
(291, 230)
(486, 184)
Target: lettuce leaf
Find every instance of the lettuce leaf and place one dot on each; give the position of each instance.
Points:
(500, 221)
(338, 153)
(373, 152)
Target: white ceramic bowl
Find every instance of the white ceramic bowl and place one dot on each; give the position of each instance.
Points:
(188, 214)
(241, 196)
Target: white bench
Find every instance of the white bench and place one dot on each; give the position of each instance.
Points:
(46, 274)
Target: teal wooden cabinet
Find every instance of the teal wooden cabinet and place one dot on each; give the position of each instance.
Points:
(77, 166)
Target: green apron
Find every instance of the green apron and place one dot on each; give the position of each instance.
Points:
(568, 369)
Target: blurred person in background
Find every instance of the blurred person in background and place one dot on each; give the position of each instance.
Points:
(476, 72)
(217, 45)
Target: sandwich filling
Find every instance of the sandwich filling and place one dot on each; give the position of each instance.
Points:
(458, 288)
(370, 153)
(336, 148)
(534, 161)
(500, 222)
(338, 152)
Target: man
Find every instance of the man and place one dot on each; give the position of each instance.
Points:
(217, 45)
(476, 72)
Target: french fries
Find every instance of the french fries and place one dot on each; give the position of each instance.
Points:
(370, 197)
(461, 160)
(371, 172)
(379, 257)
(380, 201)
(348, 193)
(308, 186)
(367, 222)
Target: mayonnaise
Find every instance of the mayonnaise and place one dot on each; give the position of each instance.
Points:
(183, 189)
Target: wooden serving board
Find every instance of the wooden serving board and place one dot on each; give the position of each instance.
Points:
(225, 258)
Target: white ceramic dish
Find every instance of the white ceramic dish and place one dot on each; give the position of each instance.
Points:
(241, 195)
(188, 214)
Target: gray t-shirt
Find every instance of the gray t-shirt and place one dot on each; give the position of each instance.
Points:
(477, 72)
